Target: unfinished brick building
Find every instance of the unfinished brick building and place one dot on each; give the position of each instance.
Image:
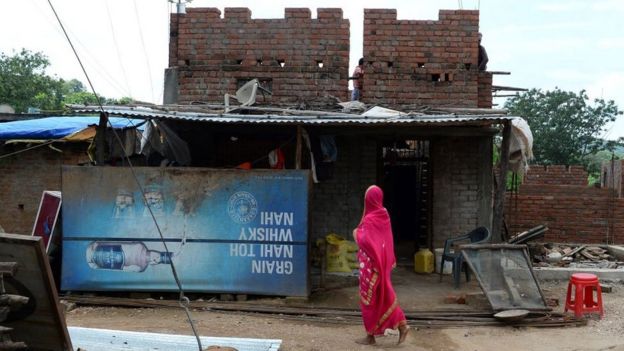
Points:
(296, 57)
(407, 62)
(433, 63)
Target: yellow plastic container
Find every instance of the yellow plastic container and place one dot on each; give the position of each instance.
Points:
(424, 261)
(340, 254)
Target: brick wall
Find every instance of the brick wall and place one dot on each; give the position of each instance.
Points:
(25, 176)
(485, 90)
(424, 62)
(337, 204)
(213, 53)
(556, 175)
(461, 186)
(559, 198)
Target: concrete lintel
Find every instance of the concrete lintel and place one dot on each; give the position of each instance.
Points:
(564, 273)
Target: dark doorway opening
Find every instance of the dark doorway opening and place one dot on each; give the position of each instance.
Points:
(406, 180)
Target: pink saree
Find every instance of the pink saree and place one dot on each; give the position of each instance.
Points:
(378, 301)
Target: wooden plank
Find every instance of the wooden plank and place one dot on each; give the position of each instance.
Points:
(298, 148)
(8, 268)
(13, 301)
(574, 252)
(492, 247)
(100, 139)
(44, 328)
(484, 187)
(12, 345)
(499, 196)
(4, 312)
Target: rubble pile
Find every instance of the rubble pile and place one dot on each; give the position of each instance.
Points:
(573, 256)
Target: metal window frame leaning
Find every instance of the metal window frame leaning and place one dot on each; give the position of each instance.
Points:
(480, 278)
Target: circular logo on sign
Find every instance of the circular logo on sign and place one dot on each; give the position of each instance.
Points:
(242, 207)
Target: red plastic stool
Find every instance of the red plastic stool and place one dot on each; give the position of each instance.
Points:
(584, 285)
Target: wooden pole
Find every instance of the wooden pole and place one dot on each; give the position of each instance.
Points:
(100, 139)
(499, 196)
(298, 151)
(8, 268)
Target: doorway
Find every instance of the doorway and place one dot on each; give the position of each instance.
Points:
(406, 180)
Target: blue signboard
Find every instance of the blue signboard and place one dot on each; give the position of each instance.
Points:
(225, 230)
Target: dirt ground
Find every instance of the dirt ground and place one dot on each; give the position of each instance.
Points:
(416, 292)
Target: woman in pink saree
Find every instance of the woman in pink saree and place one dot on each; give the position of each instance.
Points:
(378, 301)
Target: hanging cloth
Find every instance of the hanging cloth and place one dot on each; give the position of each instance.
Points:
(276, 159)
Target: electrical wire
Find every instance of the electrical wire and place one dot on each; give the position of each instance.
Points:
(183, 300)
(112, 28)
(27, 149)
(93, 60)
(149, 69)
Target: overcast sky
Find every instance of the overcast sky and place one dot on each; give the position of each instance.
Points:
(569, 44)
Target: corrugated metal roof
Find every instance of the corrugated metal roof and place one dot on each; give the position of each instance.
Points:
(325, 119)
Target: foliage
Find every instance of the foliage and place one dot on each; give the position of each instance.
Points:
(509, 180)
(87, 98)
(73, 86)
(593, 163)
(24, 83)
(565, 126)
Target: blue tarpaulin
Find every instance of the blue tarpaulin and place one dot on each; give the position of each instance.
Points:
(58, 127)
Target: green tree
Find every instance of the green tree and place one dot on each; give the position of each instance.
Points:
(73, 86)
(24, 83)
(87, 98)
(566, 126)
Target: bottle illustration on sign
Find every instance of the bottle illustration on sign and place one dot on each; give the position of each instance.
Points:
(127, 256)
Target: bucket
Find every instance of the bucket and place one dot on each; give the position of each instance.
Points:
(423, 261)
(448, 265)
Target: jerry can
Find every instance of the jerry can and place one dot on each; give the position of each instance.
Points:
(424, 261)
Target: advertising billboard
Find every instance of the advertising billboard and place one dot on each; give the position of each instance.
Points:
(224, 230)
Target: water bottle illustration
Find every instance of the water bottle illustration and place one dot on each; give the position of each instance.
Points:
(127, 256)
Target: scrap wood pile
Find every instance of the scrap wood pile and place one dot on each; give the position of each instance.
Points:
(9, 303)
(574, 256)
(447, 318)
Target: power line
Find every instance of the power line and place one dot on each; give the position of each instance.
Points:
(93, 61)
(149, 69)
(123, 70)
(183, 300)
(26, 149)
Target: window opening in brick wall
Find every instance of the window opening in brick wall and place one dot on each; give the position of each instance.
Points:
(319, 63)
(467, 65)
(239, 62)
(406, 181)
(281, 62)
(187, 62)
(421, 64)
(390, 64)
(435, 77)
(259, 62)
(448, 77)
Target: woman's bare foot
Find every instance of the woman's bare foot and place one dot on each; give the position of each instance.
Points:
(368, 340)
(403, 330)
